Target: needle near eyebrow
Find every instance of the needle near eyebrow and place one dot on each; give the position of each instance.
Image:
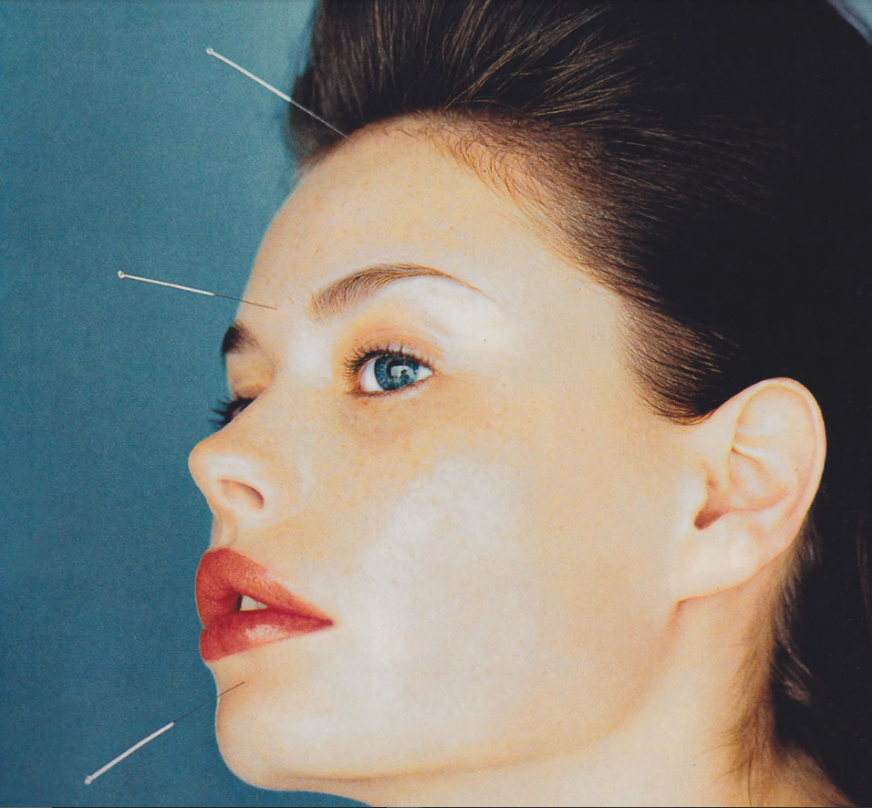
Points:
(102, 770)
(272, 89)
(123, 275)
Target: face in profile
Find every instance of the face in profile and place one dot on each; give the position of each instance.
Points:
(438, 476)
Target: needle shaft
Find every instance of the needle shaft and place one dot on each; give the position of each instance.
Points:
(124, 275)
(103, 769)
(272, 89)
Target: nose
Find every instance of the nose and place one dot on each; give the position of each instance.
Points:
(242, 481)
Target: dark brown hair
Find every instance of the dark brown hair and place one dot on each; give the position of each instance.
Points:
(712, 162)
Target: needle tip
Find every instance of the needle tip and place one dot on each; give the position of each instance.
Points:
(210, 51)
(89, 780)
(121, 274)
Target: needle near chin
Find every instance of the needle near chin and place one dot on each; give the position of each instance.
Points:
(103, 769)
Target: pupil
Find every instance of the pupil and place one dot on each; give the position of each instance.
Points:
(392, 372)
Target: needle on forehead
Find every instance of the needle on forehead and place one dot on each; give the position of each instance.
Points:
(272, 89)
(103, 769)
(123, 275)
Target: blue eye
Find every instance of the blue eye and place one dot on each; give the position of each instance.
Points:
(386, 372)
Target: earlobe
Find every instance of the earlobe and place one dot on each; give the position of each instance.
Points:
(761, 455)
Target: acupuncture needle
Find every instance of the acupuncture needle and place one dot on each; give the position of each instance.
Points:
(284, 97)
(274, 90)
(103, 769)
(123, 275)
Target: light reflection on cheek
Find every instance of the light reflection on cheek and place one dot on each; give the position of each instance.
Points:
(435, 566)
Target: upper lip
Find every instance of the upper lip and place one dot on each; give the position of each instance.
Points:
(225, 576)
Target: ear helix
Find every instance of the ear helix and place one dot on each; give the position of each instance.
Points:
(762, 455)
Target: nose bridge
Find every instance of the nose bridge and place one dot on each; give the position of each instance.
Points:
(248, 475)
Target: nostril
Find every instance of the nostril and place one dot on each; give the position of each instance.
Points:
(241, 496)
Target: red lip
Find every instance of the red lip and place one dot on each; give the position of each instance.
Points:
(223, 577)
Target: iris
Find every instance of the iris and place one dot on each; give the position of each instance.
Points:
(393, 372)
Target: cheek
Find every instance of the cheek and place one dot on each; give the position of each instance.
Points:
(490, 592)
(448, 573)
(460, 615)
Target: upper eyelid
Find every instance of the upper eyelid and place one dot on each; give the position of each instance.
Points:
(415, 345)
(245, 389)
(365, 353)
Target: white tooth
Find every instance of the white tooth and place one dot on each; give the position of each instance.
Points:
(247, 604)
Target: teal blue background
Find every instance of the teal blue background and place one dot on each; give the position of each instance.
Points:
(122, 147)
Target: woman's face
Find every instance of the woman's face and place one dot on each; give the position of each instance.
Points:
(449, 459)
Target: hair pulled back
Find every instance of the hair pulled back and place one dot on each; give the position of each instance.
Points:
(712, 163)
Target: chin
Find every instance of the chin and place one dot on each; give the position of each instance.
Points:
(271, 747)
(289, 763)
(266, 749)
(264, 761)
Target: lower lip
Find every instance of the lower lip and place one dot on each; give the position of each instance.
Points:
(242, 631)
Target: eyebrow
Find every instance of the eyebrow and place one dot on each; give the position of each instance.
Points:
(343, 295)
(353, 289)
(236, 339)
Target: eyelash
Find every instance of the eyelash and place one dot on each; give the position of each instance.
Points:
(227, 409)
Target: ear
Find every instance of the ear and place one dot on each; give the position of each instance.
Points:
(759, 457)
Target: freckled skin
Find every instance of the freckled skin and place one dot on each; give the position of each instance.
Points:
(490, 542)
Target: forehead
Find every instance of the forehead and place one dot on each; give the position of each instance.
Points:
(411, 169)
(392, 195)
